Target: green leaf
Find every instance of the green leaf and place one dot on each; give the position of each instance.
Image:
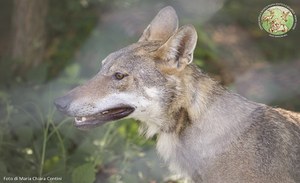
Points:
(3, 168)
(72, 71)
(24, 133)
(84, 174)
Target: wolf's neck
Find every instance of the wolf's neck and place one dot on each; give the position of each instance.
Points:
(202, 103)
(205, 120)
(190, 96)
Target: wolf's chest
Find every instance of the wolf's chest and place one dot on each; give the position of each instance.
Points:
(181, 157)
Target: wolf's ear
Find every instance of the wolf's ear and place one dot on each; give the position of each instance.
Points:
(163, 26)
(178, 51)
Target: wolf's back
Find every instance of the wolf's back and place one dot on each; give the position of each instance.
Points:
(267, 151)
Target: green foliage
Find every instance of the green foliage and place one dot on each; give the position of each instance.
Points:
(68, 25)
(40, 142)
(84, 174)
(205, 55)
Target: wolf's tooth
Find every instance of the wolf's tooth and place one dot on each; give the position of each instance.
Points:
(80, 119)
(104, 112)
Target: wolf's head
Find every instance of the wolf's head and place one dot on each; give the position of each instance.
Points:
(138, 81)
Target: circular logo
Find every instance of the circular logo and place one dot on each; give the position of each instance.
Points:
(277, 19)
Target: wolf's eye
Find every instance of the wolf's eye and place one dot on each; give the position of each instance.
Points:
(119, 75)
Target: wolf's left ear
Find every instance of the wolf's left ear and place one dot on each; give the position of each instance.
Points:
(178, 51)
(162, 27)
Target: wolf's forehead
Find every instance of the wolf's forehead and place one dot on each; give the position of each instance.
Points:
(138, 49)
(130, 55)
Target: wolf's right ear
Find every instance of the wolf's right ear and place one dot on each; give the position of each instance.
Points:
(162, 27)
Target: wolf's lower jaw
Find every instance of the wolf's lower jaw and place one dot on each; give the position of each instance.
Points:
(103, 117)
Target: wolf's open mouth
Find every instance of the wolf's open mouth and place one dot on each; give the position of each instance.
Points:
(103, 117)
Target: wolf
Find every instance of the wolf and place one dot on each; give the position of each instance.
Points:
(204, 132)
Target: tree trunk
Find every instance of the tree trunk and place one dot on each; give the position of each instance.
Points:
(29, 34)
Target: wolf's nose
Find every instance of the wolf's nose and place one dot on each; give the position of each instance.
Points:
(62, 103)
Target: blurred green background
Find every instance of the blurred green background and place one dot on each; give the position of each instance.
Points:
(48, 47)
